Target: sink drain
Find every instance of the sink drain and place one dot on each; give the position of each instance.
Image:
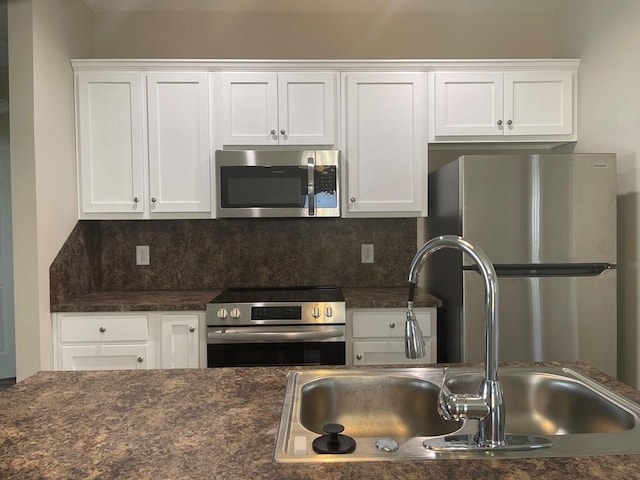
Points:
(387, 445)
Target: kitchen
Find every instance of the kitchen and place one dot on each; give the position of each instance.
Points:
(601, 36)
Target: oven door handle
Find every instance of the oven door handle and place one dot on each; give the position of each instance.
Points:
(237, 335)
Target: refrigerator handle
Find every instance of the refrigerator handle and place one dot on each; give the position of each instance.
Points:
(549, 270)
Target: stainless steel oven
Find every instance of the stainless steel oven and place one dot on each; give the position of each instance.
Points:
(276, 326)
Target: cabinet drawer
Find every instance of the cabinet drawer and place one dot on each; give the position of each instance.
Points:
(104, 328)
(104, 357)
(376, 323)
(387, 353)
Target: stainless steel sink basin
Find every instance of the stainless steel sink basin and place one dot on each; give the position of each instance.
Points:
(578, 415)
(540, 403)
(373, 406)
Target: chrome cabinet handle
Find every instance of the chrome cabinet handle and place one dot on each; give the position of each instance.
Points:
(192, 329)
(140, 359)
(499, 123)
(359, 357)
(509, 122)
(273, 132)
(392, 325)
(136, 199)
(283, 132)
(353, 199)
(102, 329)
(154, 200)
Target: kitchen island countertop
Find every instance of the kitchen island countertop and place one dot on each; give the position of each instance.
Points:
(209, 423)
(196, 300)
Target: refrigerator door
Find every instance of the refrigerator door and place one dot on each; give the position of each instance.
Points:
(545, 318)
(551, 208)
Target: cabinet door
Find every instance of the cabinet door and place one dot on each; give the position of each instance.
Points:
(179, 147)
(110, 142)
(385, 143)
(468, 103)
(386, 322)
(180, 341)
(538, 103)
(387, 353)
(306, 108)
(249, 109)
(104, 357)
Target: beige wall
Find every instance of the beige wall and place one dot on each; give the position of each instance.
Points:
(43, 36)
(605, 36)
(485, 34)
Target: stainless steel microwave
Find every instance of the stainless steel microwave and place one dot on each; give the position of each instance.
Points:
(270, 183)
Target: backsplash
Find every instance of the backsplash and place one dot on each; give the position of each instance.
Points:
(206, 254)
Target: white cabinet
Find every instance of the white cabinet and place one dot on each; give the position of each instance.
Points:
(125, 340)
(524, 104)
(179, 146)
(110, 137)
(101, 341)
(143, 144)
(278, 108)
(386, 144)
(104, 357)
(180, 340)
(376, 336)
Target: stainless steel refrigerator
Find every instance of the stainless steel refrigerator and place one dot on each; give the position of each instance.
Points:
(548, 223)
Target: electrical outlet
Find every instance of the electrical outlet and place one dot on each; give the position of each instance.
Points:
(366, 253)
(142, 255)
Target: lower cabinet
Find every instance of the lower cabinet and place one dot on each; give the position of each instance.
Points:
(375, 336)
(126, 341)
(180, 341)
(104, 357)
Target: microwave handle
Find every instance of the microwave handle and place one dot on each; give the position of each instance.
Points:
(311, 168)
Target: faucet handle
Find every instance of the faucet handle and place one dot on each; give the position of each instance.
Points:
(460, 406)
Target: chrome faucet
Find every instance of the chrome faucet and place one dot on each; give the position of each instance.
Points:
(487, 406)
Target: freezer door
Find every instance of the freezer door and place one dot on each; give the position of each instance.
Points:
(545, 318)
(552, 208)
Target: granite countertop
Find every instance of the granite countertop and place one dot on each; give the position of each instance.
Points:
(210, 423)
(196, 300)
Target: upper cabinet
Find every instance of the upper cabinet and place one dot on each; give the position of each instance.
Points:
(110, 136)
(385, 144)
(143, 144)
(146, 129)
(503, 106)
(179, 146)
(278, 108)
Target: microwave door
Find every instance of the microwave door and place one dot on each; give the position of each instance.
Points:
(251, 191)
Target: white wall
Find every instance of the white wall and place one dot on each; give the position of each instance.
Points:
(485, 33)
(43, 36)
(606, 36)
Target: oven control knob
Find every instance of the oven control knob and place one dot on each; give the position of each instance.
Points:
(235, 312)
(328, 312)
(316, 312)
(222, 313)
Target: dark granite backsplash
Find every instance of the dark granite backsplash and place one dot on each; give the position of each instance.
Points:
(207, 254)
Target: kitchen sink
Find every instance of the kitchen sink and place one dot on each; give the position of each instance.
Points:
(545, 403)
(397, 407)
(374, 406)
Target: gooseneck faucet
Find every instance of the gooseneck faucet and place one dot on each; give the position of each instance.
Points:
(487, 406)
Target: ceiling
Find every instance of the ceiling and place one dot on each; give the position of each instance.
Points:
(323, 5)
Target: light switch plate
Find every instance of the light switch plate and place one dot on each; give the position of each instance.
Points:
(142, 255)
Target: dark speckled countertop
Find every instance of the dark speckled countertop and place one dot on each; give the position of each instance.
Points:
(174, 300)
(209, 424)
